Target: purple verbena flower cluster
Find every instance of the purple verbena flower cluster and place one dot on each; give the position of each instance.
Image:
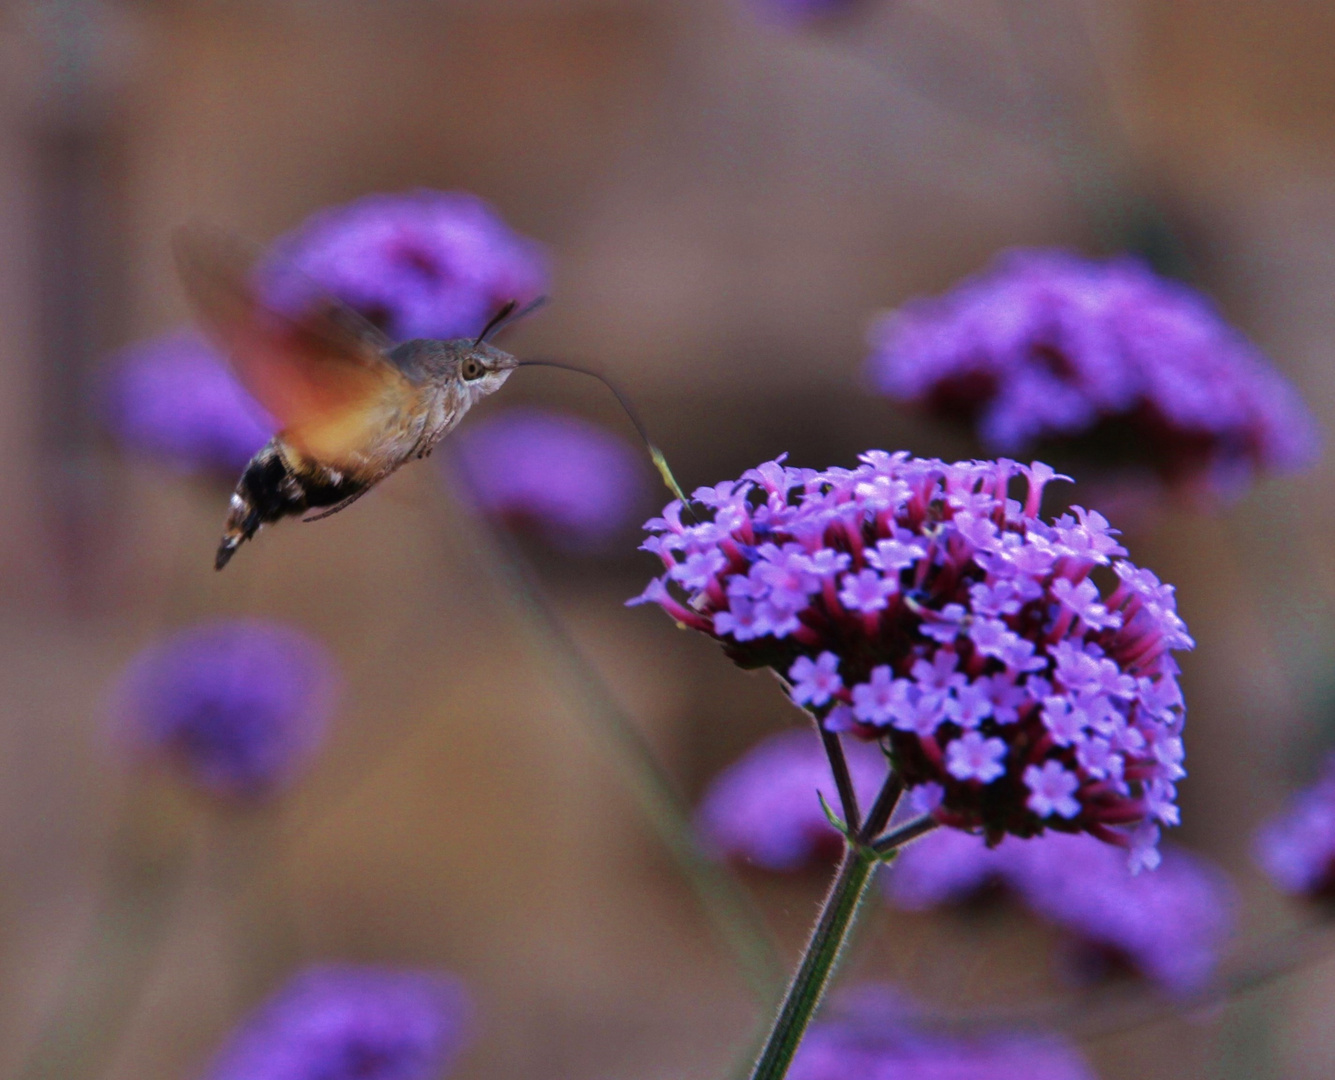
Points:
(1297, 848)
(435, 264)
(878, 1034)
(345, 1022)
(765, 808)
(914, 601)
(1104, 357)
(574, 482)
(240, 706)
(174, 398)
(1169, 926)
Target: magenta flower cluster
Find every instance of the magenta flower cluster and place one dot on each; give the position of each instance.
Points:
(1103, 356)
(1169, 926)
(422, 264)
(1297, 848)
(916, 602)
(350, 1022)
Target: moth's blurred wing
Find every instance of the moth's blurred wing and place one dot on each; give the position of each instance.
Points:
(323, 374)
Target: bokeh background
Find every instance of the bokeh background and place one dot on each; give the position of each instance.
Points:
(727, 202)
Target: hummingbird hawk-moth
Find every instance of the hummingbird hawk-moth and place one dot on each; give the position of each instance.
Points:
(352, 406)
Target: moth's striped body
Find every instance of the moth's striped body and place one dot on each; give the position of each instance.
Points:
(353, 406)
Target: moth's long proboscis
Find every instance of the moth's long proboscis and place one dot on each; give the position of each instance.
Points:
(655, 454)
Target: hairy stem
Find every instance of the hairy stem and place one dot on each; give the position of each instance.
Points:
(837, 918)
(848, 798)
(818, 962)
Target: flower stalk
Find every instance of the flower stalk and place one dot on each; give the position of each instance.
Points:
(864, 851)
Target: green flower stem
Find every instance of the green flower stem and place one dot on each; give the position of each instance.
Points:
(818, 963)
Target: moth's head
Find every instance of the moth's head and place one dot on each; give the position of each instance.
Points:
(480, 369)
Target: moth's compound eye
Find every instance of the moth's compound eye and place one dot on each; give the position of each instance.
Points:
(472, 369)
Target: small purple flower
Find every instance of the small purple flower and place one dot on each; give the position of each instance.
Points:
(239, 705)
(764, 808)
(815, 681)
(574, 482)
(875, 1033)
(1169, 925)
(1297, 848)
(972, 757)
(1052, 789)
(1104, 358)
(988, 661)
(346, 1022)
(434, 264)
(174, 398)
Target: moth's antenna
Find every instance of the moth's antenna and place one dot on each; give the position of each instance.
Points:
(660, 462)
(506, 317)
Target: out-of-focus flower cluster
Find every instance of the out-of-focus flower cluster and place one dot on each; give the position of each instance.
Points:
(914, 601)
(1169, 926)
(573, 482)
(344, 1022)
(240, 706)
(422, 264)
(799, 12)
(878, 1034)
(765, 808)
(173, 398)
(1103, 360)
(1297, 848)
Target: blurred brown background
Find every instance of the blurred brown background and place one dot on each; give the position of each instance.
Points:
(726, 203)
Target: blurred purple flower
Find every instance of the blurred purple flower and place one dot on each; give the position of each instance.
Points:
(874, 1034)
(345, 1022)
(798, 12)
(764, 808)
(914, 602)
(174, 398)
(434, 264)
(239, 705)
(1169, 925)
(1297, 848)
(1102, 359)
(574, 482)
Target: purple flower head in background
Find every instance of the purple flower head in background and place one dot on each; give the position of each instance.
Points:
(800, 12)
(576, 483)
(1169, 926)
(764, 809)
(433, 264)
(240, 706)
(1014, 692)
(1297, 848)
(175, 399)
(1101, 360)
(876, 1033)
(345, 1022)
